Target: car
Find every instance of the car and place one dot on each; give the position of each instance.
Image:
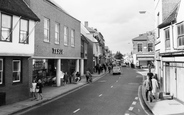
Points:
(123, 64)
(116, 70)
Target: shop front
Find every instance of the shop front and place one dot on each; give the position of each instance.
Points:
(51, 71)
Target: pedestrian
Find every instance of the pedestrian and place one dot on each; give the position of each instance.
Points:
(148, 87)
(78, 77)
(65, 78)
(33, 90)
(39, 87)
(154, 87)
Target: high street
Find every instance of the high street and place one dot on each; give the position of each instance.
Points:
(110, 95)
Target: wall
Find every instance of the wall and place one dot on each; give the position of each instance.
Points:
(43, 49)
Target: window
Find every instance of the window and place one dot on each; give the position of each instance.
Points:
(56, 33)
(65, 35)
(23, 31)
(16, 70)
(1, 71)
(150, 47)
(139, 47)
(46, 29)
(72, 38)
(6, 27)
(167, 38)
(180, 30)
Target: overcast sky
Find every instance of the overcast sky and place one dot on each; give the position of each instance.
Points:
(119, 21)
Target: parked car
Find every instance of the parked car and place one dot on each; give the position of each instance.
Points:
(116, 70)
(123, 64)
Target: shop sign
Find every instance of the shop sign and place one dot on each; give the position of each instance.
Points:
(57, 51)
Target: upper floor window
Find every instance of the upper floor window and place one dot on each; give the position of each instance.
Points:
(46, 29)
(65, 35)
(1, 71)
(72, 38)
(16, 70)
(139, 47)
(167, 38)
(6, 28)
(23, 31)
(150, 47)
(56, 33)
(180, 30)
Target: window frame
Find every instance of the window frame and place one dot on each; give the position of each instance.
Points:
(167, 38)
(65, 35)
(19, 80)
(27, 37)
(57, 33)
(138, 48)
(47, 29)
(2, 72)
(10, 29)
(180, 34)
(150, 47)
(72, 37)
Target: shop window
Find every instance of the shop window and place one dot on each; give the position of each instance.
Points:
(46, 30)
(6, 28)
(1, 71)
(72, 38)
(65, 35)
(16, 71)
(23, 31)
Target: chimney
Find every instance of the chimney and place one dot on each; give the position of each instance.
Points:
(86, 23)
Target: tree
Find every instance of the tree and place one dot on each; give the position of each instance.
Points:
(118, 55)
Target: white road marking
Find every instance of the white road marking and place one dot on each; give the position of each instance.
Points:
(131, 108)
(100, 95)
(134, 103)
(136, 98)
(76, 110)
(126, 114)
(111, 86)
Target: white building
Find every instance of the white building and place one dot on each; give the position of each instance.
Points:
(170, 46)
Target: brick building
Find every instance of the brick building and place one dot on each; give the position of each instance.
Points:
(143, 49)
(57, 41)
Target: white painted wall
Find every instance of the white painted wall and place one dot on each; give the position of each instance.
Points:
(16, 48)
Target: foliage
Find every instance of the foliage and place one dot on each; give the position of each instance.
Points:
(118, 55)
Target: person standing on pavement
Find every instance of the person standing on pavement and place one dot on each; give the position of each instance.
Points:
(39, 86)
(154, 87)
(148, 87)
(34, 89)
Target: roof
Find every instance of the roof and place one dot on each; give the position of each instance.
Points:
(171, 18)
(142, 37)
(19, 8)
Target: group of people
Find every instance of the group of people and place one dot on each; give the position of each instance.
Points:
(73, 78)
(151, 87)
(36, 89)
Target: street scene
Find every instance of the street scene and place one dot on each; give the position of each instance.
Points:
(91, 57)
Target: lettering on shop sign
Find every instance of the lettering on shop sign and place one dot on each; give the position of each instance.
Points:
(57, 51)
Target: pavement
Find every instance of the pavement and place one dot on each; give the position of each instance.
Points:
(158, 106)
(49, 93)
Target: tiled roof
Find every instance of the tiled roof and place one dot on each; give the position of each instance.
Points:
(140, 38)
(170, 19)
(17, 7)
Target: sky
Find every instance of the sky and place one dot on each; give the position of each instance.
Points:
(119, 21)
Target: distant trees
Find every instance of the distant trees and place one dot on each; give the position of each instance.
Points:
(118, 55)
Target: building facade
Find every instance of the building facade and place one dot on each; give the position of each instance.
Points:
(169, 46)
(17, 22)
(143, 50)
(57, 41)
